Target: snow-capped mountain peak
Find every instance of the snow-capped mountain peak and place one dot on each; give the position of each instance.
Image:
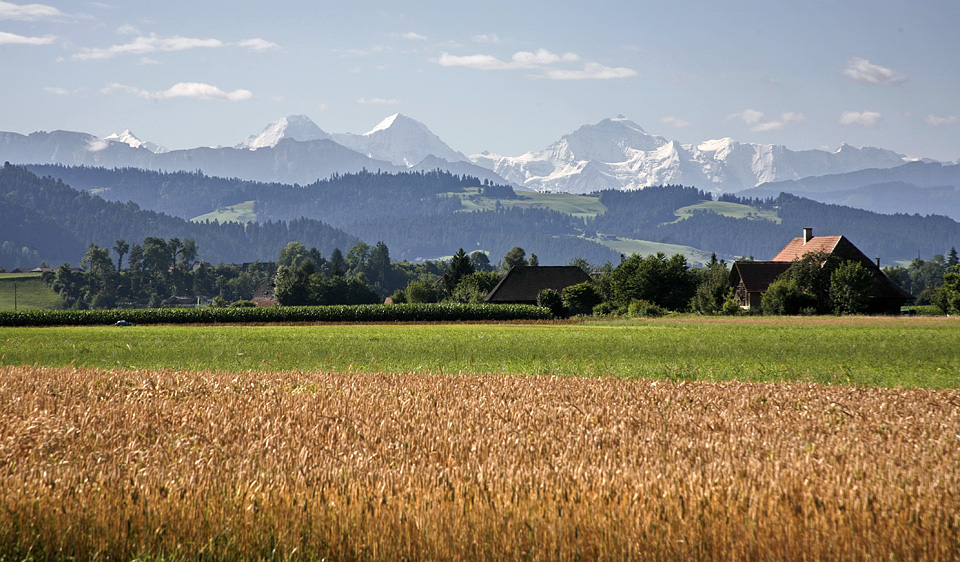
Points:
(610, 140)
(386, 124)
(400, 140)
(127, 137)
(296, 127)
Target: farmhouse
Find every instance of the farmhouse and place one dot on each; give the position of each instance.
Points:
(752, 278)
(523, 283)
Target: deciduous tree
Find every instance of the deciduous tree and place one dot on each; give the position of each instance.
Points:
(850, 286)
(666, 282)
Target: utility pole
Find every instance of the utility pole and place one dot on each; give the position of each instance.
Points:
(14, 296)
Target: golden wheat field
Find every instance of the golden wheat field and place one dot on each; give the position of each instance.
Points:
(115, 465)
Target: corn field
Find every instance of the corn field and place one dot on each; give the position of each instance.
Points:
(117, 465)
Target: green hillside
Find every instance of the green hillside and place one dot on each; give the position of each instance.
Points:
(31, 292)
(241, 212)
(627, 246)
(728, 209)
(580, 206)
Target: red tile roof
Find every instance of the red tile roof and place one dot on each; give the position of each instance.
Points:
(796, 249)
(757, 276)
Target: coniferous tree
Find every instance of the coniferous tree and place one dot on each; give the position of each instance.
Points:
(121, 248)
(460, 266)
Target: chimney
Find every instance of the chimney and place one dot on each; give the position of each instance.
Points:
(807, 235)
(878, 263)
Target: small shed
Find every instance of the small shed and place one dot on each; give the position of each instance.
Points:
(523, 283)
(265, 294)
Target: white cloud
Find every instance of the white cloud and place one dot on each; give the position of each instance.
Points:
(480, 62)
(865, 119)
(543, 57)
(541, 60)
(486, 38)
(29, 12)
(13, 39)
(758, 122)
(864, 71)
(57, 91)
(590, 71)
(521, 59)
(149, 44)
(96, 145)
(147, 61)
(202, 91)
(791, 117)
(414, 36)
(128, 30)
(674, 121)
(259, 45)
(935, 121)
(191, 90)
(377, 101)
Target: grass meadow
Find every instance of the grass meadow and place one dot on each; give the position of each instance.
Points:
(728, 209)
(911, 352)
(675, 439)
(30, 293)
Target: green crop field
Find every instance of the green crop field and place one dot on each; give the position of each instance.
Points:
(31, 292)
(912, 352)
(241, 212)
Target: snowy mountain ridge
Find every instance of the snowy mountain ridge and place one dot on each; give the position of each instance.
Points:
(615, 153)
(618, 154)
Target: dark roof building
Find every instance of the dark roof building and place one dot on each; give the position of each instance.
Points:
(265, 294)
(523, 283)
(752, 278)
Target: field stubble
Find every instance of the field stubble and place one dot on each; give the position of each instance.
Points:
(351, 466)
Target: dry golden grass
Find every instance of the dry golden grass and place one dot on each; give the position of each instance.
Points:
(342, 466)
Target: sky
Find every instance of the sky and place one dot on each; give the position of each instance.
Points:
(504, 77)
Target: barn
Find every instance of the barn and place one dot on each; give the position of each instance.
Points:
(523, 283)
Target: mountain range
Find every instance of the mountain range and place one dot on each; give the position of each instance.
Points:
(618, 154)
(612, 154)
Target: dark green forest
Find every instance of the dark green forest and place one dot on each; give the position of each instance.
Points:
(406, 210)
(44, 219)
(414, 213)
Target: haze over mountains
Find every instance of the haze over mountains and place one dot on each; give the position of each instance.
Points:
(612, 154)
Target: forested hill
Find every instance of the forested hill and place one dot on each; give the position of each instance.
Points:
(648, 215)
(414, 213)
(336, 200)
(43, 219)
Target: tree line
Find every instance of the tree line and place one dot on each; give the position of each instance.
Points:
(158, 269)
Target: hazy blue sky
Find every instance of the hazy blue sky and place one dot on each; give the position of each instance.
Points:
(507, 77)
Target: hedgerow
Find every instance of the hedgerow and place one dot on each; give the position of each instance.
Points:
(415, 312)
